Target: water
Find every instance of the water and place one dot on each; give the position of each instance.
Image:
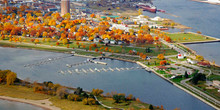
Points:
(207, 49)
(144, 85)
(200, 16)
(11, 105)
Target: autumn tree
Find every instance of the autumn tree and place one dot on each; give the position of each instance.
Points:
(199, 58)
(96, 50)
(65, 41)
(160, 57)
(163, 62)
(61, 92)
(92, 15)
(198, 32)
(97, 92)
(11, 77)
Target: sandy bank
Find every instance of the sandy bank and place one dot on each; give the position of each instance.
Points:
(45, 104)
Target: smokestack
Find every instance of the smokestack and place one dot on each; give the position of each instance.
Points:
(65, 7)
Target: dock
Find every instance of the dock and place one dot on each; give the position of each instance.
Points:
(95, 70)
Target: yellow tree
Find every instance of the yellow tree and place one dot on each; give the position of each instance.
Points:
(11, 77)
(65, 41)
(140, 12)
(199, 58)
(44, 34)
(160, 57)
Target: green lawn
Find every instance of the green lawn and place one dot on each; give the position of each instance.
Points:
(174, 58)
(125, 105)
(212, 92)
(21, 92)
(188, 37)
(161, 72)
(65, 104)
(177, 80)
(214, 77)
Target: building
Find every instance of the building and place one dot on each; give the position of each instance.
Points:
(65, 7)
(205, 64)
(180, 56)
(216, 83)
(191, 61)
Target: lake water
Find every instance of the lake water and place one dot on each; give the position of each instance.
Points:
(200, 16)
(144, 85)
(11, 105)
(208, 50)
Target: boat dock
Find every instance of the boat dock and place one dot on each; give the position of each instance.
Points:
(90, 70)
(47, 60)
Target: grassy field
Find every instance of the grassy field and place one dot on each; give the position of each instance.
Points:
(214, 77)
(21, 92)
(188, 37)
(72, 105)
(212, 92)
(124, 105)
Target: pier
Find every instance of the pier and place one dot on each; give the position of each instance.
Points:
(47, 60)
(90, 70)
(88, 61)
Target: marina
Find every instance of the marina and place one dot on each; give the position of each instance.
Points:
(137, 81)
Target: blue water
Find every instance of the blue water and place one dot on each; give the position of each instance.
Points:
(200, 16)
(10, 105)
(144, 85)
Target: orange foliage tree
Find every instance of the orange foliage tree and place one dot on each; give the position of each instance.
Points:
(160, 57)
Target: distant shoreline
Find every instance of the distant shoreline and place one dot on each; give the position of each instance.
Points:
(202, 1)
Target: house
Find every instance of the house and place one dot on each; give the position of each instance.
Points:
(191, 61)
(120, 42)
(156, 18)
(96, 40)
(161, 67)
(85, 38)
(180, 56)
(112, 42)
(206, 64)
(216, 83)
(148, 58)
(106, 41)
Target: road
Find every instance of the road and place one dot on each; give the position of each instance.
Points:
(200, 93)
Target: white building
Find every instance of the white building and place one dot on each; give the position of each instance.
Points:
(191, 61)
(180, 56)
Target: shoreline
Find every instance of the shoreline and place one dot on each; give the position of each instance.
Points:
(44, 104)
(173, 83)
(137, 62)
(213, 3)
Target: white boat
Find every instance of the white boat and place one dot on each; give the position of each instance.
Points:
(84, 71)
(91, 70)
(104, 69)
(69, 71)
(111, 69)
(118, 69)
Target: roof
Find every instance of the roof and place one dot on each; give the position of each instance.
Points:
(204, 63)
(161, 67)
